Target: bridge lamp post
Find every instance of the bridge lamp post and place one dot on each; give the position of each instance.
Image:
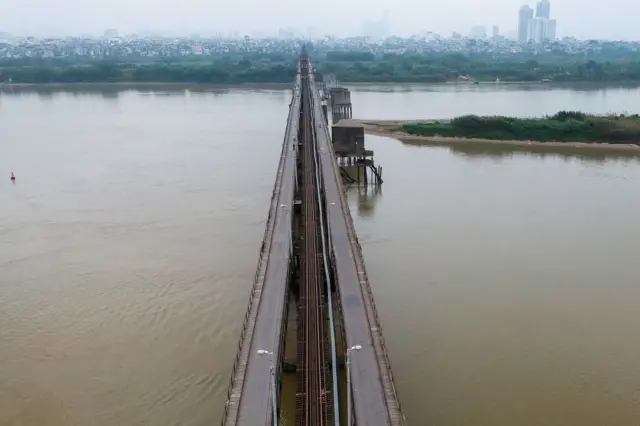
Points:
(349, 350)
(274, 402)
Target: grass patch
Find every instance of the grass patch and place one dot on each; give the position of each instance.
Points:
(565, 126)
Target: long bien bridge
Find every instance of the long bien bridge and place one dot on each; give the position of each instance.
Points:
(311, 259)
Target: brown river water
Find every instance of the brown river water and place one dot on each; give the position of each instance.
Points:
(507, 280)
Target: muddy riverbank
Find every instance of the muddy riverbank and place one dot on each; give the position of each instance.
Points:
(389, 128)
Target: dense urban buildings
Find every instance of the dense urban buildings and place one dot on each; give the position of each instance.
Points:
(132, 48)
(426, 57)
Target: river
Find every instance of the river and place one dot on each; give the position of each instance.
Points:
(506, 279)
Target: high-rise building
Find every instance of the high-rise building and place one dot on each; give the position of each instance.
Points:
(550, 33)
(385, 24)
(495, 31)
(542, 29)
(479, 32)
(524, 17)
(536, 29)
(110, 33)
(543, 9)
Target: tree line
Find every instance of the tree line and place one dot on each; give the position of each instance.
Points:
(565, 126)
(346, 66)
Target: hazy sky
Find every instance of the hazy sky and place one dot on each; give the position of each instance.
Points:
(579, 18)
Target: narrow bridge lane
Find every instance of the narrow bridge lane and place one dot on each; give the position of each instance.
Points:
(250, 391)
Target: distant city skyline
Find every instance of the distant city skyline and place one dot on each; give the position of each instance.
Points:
(614, 19)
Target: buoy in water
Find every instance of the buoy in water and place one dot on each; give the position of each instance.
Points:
(13, 177)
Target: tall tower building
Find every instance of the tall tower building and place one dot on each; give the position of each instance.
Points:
(524, 18)
(385, 24)
(543, 9)
(479, 31)
(542, 29)
(536, 29)
(550, 33)
(110, 33)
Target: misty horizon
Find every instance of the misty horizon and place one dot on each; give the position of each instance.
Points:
(599, 20)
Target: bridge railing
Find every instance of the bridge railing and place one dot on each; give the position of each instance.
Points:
(393, 402)
(245, 322)
(261, 264)
(379, 335)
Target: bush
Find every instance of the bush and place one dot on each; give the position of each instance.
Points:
(565, 126)
(569, 115)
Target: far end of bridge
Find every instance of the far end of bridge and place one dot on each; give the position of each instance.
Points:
(311, 307)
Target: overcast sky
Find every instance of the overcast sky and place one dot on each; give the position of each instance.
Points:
(611, 19)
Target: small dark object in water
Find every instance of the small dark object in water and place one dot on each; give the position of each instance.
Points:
(13, 178)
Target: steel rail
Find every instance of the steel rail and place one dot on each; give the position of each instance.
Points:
(313, 325)
(367, 413)
(325, 258)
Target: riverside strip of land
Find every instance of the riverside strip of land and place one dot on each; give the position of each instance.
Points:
(564, 129)
(116, 65)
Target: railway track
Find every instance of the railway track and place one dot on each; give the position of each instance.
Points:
(313, 397)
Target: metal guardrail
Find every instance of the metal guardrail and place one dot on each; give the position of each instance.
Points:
(382, 356)
(263, 254)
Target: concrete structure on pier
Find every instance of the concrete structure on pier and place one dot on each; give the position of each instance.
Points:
(340, 103)
(254, 391)
(330, 81)
(348, 139)
(357, 162)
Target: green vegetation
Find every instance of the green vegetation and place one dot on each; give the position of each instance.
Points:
(222, 70)
(565, 126)
(347, 66)
(450, 67)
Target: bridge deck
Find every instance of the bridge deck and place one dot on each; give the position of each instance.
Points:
(375, 401)
(249, 395)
